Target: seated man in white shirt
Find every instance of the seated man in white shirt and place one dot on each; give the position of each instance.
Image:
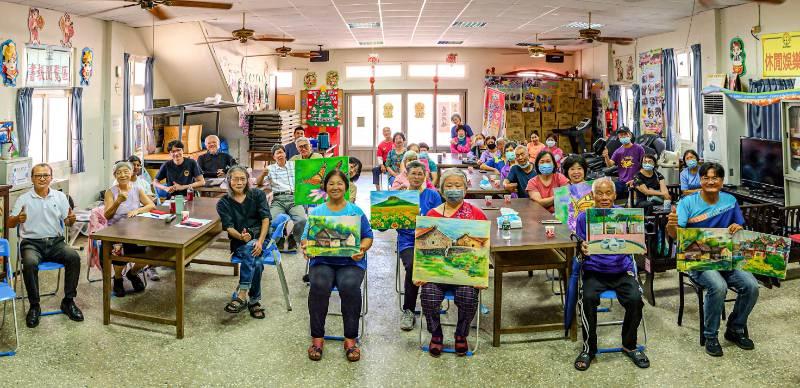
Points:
(281, 179)
(41, 214)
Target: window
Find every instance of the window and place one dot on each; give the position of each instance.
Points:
(381, 71)
(284, 79)
(457, 70)
(50, 136)
(626, 109)
(682, 62)
(687, 127)
(137, 102)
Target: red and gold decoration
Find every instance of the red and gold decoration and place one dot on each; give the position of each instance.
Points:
(373, 60)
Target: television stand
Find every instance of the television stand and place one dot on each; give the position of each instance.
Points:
(747, 195)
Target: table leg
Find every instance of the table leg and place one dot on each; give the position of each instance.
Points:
(573, 329)
(180, 270)
(106, 246)
(498, 306)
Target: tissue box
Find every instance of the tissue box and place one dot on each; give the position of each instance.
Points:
(516, 222)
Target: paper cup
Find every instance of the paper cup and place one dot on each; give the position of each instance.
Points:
(550, 231)
(507, 198)
(184, 215)
(488, 199)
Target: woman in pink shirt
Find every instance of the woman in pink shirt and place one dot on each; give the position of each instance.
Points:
(534, 146)
(550, 146)
(540, 188)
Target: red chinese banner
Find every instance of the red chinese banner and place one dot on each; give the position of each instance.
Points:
(494, 111)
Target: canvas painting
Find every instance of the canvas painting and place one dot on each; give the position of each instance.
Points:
(704, 249)
(761, 254)
(334, 235)
(394, 209)
(308, 176)
(615, 231)
(451, 251)
(571, 200)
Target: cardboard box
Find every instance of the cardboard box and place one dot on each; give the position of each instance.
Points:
(532, 120)
(516, 133)
(564, 120)
(514, 119)
(191, 137)
(565, 105)
(549, 121)
(564, 144)
(583, 106)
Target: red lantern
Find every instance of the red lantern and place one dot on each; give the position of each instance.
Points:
(372, 59)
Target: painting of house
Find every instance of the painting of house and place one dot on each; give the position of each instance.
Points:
(762, 254)
(333, 239)
(704, 249)
(333, 235)
(615, 231)
(451, 251)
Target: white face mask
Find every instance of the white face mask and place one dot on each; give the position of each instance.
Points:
(550, 143)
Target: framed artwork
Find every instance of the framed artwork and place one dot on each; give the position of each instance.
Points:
(571, 200)
(334, 235)
(615, 231)
(451, 251)
(308, 176)
(394, 209)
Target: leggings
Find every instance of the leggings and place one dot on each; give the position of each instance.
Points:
(411, 290)
(347, 278)
(466, 299)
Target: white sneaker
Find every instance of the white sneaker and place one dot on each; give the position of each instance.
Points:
(407, 322)
(152, 274)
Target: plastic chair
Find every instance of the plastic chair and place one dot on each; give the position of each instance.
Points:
(7, 294)
(364, 310)
(449, 296)
(272, 256)
(43, 266)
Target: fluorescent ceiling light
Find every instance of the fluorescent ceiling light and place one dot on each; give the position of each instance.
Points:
(465, 24)
(583, 25)
(450, 42)
(364, 25)
(526, 44)
(371, 43)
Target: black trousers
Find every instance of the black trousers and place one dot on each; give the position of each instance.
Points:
(629, 295)
(411, 291)
(53, 249)
(347, 279)
(376, 175)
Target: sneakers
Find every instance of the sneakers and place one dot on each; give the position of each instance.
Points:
(407, 322)
(713, 348)
(740, 339)
(152, 274)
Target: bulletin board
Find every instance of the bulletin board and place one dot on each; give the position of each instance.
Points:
(323, 111)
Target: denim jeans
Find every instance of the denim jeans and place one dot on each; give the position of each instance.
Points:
(250, 270)
(716, 284)
(284, 204)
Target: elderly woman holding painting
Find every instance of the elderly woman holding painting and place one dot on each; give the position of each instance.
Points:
(453, 186)
(346, 273)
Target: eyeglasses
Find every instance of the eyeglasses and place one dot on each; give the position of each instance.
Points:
(304, 146)
(41, 176)
(238, 179)
(710, 179)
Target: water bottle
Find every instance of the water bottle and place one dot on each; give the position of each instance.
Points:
(505, 226)
(178, 199)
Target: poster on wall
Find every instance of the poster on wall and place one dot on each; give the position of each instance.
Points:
(623, 69)
(7, 135)
(493, 112)
(322, 113)
(48, 66)
(8, 50)
(781, 54)
(738, 57)
(652, 89)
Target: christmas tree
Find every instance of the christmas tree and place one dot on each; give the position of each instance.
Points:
(324, 112)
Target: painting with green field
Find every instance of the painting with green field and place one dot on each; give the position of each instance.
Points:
(334, 235)
(308, 176)
(761, 254)
(615, 231)
(451, 251)
(394, 209)
(571, 200)
(704, 249)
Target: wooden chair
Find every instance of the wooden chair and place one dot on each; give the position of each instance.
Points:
(675, 192)
(789, 221)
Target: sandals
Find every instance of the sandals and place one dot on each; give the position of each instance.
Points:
(436, 346)
(352, 351)
(236, 306)
(583, 361)
(461, 347)
(638, 357)
(315, 350)
(256, 311)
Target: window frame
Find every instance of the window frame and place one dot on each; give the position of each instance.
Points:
(437, 67)
(368, 74)
(278, 77)
(46, 94)
(136, 90)
(686, 82)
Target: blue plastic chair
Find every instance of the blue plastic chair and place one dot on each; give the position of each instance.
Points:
(272, 256)
(364, 310)
(449, 296)
(7, 294)
(43, 266)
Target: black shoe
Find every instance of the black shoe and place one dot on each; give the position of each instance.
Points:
(280, 243)
(72, 311)
(136, 281)
(306, 279)
(713, 348)
(292, 245)
(34, 313)
(118, 288)
(739, 339)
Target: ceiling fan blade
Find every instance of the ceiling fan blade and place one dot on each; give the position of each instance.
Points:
(109, 10)
(217, 41)
(272, 39)
(557, 39)
(262, 55)
(220, 37)
(159, 12)
(519, 53)
(615, 40)
(303, 55)
(199, 4)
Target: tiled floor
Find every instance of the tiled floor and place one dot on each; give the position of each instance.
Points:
(235, 350)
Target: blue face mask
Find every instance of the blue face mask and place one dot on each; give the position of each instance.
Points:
(524, 166)
(454, 195)
(510, 155)
(423, 155)
(546, 168)
(461, 137)
(648, 166)
(691, 163)
(625, 140)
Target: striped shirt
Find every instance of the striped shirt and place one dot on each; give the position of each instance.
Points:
(281, 178)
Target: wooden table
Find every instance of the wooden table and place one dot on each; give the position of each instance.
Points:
(449, 160)
(217, 191)
(527, 250)
(474, 189)
(167, 246)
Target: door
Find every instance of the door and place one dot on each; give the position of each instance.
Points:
(360, 121)
(446, 106)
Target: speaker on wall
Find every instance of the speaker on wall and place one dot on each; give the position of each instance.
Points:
(322, 56)
(554, 58)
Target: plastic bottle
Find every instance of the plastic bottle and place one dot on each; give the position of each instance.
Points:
(506, 228)
(178, 204)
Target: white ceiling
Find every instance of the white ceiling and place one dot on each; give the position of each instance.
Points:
(413, 23)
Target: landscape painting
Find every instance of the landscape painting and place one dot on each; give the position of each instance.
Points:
(451, 251)
(571, 200)
(394, 209)
(704, 249)
(761, 254)
(334, 235)
(615, 231)
(308, 176)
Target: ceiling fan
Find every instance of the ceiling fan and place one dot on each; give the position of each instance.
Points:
(535, 50)
(158, 7)
(284, 52)
(590, 35)
(244, 34)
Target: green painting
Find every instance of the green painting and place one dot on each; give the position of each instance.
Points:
(715, 248)
(451, 251)
(308, 176)
(571, 200)
(394, 209)
(334, 235)
(761, 254)
(704, 249)
(615, 231)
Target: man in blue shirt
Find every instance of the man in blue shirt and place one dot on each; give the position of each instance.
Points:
(712, 208)
(291, 148)
(428, 199)
(608, 272)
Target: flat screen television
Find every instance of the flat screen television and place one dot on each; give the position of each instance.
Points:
(761, 163)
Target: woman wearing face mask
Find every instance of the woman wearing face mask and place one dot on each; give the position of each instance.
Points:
(431, 170)
(462, 143)
(454, 187)
(550, 146)
(491, 150)
(520, 174)
(510, 159)
(534, 146)
(650, 187)
(395, 156)
(540, 188)
(478, 146)
(690, 178)
(402, 183)
(494, 157)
